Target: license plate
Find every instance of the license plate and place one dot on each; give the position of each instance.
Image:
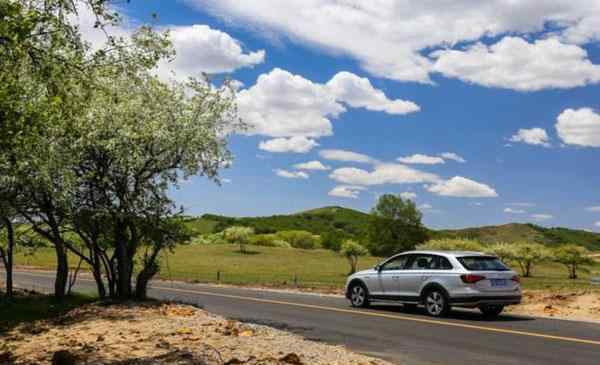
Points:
(498, 282)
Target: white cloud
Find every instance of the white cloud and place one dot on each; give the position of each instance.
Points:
(346, 156)
(408, 195)
(388, 38)
(425, 206)
(579, 127)
(452, 156)
(346, 191)
(459, 186)
(291, 174)
(597, 224)
(514, 211)
(595, 209)
(312, 165)
(199, 48)
(282, 104)
(514, 63)
(384, 173)
(534, 136)
(542, 217)
(296, 144)
(226, 180)
(359, 93)
(421, 159)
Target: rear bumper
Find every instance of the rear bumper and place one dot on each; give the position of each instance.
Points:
(474, 301)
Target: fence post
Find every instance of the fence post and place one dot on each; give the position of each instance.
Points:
(218, 276)
(296, 280)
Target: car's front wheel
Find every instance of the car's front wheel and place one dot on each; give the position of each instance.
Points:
(436, 303)
(359, 296)
(491, 311)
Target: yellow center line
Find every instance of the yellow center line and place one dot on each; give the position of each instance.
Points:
(371, 314)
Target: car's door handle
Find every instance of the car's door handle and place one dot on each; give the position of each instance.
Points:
(424, 277)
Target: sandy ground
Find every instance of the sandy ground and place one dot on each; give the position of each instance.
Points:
(166, 334)
(582, 305)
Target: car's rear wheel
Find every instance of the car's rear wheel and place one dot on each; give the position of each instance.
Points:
(436, 303)
(359, 296)
(491, 311)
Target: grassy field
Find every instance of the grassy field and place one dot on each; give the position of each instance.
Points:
(281, 266)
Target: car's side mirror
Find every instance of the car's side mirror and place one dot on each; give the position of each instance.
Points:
(377, 268)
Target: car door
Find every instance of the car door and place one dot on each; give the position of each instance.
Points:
(391, 274)
(418, 269)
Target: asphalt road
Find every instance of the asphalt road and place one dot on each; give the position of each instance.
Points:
(386, 331)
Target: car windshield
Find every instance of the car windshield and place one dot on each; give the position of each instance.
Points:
(482, 263)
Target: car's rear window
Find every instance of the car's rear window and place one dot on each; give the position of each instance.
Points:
(482, 263)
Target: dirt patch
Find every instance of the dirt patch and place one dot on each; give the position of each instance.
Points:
(162, 333)
(577, 305)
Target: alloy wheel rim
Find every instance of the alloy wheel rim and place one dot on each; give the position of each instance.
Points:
(435, 303)
(358, 295)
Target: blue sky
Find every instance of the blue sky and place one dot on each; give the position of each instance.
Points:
(510, 89)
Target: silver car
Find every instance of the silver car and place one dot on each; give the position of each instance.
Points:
(438, 280)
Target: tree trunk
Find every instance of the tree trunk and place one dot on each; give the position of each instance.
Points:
(123, 264)
(97, 272)
(62, 271)
(150, 269)
(8, 260)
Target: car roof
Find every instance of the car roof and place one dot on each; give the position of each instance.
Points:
(446, 253)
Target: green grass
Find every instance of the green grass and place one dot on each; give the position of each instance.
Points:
(279, 266)
(27, 307)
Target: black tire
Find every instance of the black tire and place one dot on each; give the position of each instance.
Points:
(359, 295)
(491, 311)
(436, 302)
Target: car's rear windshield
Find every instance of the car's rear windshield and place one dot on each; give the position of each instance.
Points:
(482, 263)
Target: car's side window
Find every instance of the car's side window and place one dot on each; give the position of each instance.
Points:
(421, 262)
(440, 263)
(398, 263)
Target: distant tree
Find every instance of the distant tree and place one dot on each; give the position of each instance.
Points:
(504, 251)
(352, 250)
(452, 244)
(573, 257)
(332, 240)
(239, 235)
(395, 226)
(299, 239)
(527, 255)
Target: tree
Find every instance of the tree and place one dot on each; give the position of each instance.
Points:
(352, 250)
(239, 235)
(299, 239)
(573, 257)
(527, 255)
(504, 251)
(395, 226)
(452, 244)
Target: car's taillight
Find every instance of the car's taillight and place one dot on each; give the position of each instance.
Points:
(516, 278)
(471, 278)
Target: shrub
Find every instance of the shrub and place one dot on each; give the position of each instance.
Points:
(527, 255)
(333, 240)
(281, 244)
(504, 251)
(210, 239)
(299, 239)
(240, 235)
(453, 244)
(573, 257)
(352, 250)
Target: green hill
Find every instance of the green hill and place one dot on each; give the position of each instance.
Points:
(353, 223)
(514, 232)
(316, 221)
